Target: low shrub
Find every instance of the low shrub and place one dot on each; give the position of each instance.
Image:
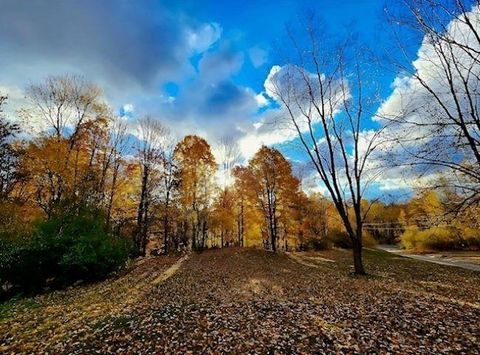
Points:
(471, 238)
(440, 238)
(340, 239)
(408, 240)
(318, 244)
(368, 240)
(62, 250)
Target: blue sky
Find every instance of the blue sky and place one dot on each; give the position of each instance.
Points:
(199, 66)
(260, 25)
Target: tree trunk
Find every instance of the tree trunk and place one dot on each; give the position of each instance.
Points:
(141, 216)
(241, 228)
(357, 257)
(165, 226)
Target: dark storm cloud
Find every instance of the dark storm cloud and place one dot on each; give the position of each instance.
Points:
(131, 49)
(117, 39)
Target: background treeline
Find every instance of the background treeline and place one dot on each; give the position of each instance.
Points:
(427, 222)
(91, 189)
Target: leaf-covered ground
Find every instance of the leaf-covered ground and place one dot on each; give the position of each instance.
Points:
(239, 301)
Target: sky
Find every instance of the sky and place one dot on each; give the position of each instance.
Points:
(198, 66)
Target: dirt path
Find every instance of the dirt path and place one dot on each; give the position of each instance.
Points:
(432, 258)
(170, 271)
(306, 260)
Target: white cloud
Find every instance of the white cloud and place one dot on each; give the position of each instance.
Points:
(274, 125)
(128, 109)
(258, 56)
(16, 99)
(261, 100)
(423, 127)
(201, 39)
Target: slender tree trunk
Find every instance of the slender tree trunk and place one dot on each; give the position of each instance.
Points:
(357, 256)
(141, 214)
(166, 226)
(241, 229)
(242, 225)
(273, 236)
(112, 195)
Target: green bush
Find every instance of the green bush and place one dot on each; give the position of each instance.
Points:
(62, 250)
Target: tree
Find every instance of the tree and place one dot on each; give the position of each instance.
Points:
(63, 156)
(322, 99)
(167, 189)
(117, 147)
(152, 135)
(10, 172)
(435, 111)
(311, 215)
(273, 185)
(64, 103)
(196, 169)
(242, 190)
(229, 155)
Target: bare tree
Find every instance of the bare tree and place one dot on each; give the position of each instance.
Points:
(64, 103)
(118, 144)
(437, 112)
(324, 102)
(229, 156)
(152, 136)
(168, 185)
(10, 172)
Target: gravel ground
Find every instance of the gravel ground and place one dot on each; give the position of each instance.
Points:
(251, 301)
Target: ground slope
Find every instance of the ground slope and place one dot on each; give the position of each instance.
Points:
(238, 301)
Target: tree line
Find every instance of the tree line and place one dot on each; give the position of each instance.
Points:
(151, 191)
(133, 182)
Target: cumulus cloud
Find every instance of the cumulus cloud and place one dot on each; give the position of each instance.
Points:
(258, 56)
(416, 113)
(201, 39)
(274, 126)
(131, 51)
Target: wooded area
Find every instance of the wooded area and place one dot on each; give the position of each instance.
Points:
(90, 197)
(90, 188)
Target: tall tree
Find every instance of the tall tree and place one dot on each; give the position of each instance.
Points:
(322, 99)
(152, 135)
(274, 186)
(10, 171)
(435, 110)
(117, 148)
(167, 189)
(196, 170)
(242, 190)
(229, 156)
(73, 116)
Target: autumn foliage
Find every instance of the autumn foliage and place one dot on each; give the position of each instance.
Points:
(90, 189)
